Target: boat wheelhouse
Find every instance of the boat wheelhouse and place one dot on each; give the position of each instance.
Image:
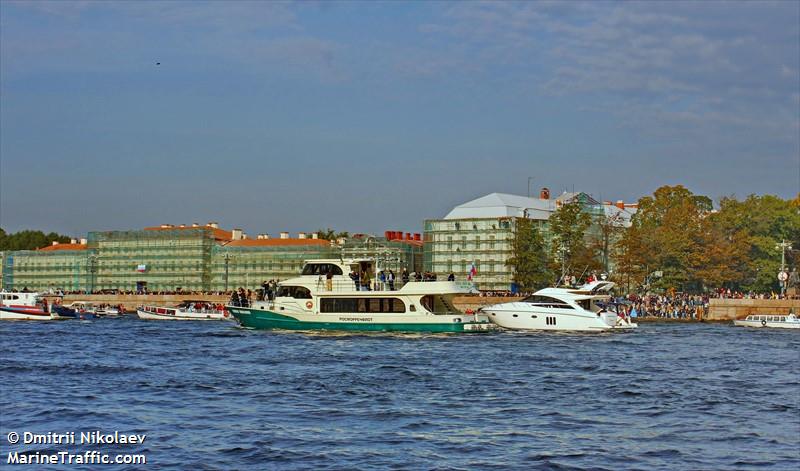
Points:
(780, 321)
(342, 295)
(188, 310)
(589, 308)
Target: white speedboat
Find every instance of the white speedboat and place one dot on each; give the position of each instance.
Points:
(780, 321)
(588, 308)
(189, 310)
(23, 306)
(325, 298)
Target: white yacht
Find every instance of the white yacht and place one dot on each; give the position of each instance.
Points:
(324, 297)
(780, 321)
(588, 308)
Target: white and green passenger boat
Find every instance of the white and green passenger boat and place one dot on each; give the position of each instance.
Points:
(312, 302)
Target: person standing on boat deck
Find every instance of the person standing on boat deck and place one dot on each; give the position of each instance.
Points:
(354, 277)
(365, 281)
(390, 278)
(382, 278)
(404, 276)
(235, 298)
(329, 280)
(451, 277)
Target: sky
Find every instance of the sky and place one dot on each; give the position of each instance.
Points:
(373, 116)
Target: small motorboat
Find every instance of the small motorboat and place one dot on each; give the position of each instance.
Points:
(59, 312)
(189, 310)
(778, 321)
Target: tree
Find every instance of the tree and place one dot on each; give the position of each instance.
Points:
(568, 226)
(330, 234)
(664, 235)
(529, 259)
(759, 223)
(29, 240)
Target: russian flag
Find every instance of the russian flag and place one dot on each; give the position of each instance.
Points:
(472, 271)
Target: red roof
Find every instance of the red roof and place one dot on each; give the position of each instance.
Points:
(219, 234)
(51, 248)
(277, 242)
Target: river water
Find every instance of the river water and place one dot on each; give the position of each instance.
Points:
(209, 395)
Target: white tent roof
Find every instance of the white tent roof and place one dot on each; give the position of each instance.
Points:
(503, 205)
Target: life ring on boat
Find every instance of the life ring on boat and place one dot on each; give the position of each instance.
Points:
(309, 304)
(763, 323)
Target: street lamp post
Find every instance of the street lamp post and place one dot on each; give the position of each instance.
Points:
(92, 270)
(227, 258)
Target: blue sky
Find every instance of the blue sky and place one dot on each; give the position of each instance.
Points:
(369, 116)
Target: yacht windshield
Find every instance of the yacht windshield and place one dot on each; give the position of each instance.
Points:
(546, 301)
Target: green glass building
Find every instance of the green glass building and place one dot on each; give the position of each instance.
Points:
(185, 258)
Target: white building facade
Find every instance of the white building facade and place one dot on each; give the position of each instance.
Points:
(481, 232)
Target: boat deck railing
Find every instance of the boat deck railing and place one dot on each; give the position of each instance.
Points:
(339, 284)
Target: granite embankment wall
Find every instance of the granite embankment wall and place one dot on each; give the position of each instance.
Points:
(132, 301)
(729, 309)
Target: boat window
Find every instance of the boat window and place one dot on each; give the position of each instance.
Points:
(547, 301)
(321, 269)
(585, 304)
(297, 292)
(362, 305)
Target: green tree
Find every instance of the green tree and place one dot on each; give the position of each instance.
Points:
(529, 259)
(29, 240)
(758, 223)
(568, 226)
(330, 234)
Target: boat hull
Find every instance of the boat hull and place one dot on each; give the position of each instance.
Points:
(63, 313)
(523, 319)
(767, 324)
(265, 319)
(188, 316)
(8, 313)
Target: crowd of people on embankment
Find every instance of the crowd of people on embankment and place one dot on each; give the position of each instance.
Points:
(723, 293)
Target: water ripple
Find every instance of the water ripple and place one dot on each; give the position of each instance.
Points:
(214, 396)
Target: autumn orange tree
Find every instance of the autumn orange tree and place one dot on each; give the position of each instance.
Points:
(665, 235)
(677, 234)
(747, 233)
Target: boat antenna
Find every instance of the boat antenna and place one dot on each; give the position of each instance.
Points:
(584, 272)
